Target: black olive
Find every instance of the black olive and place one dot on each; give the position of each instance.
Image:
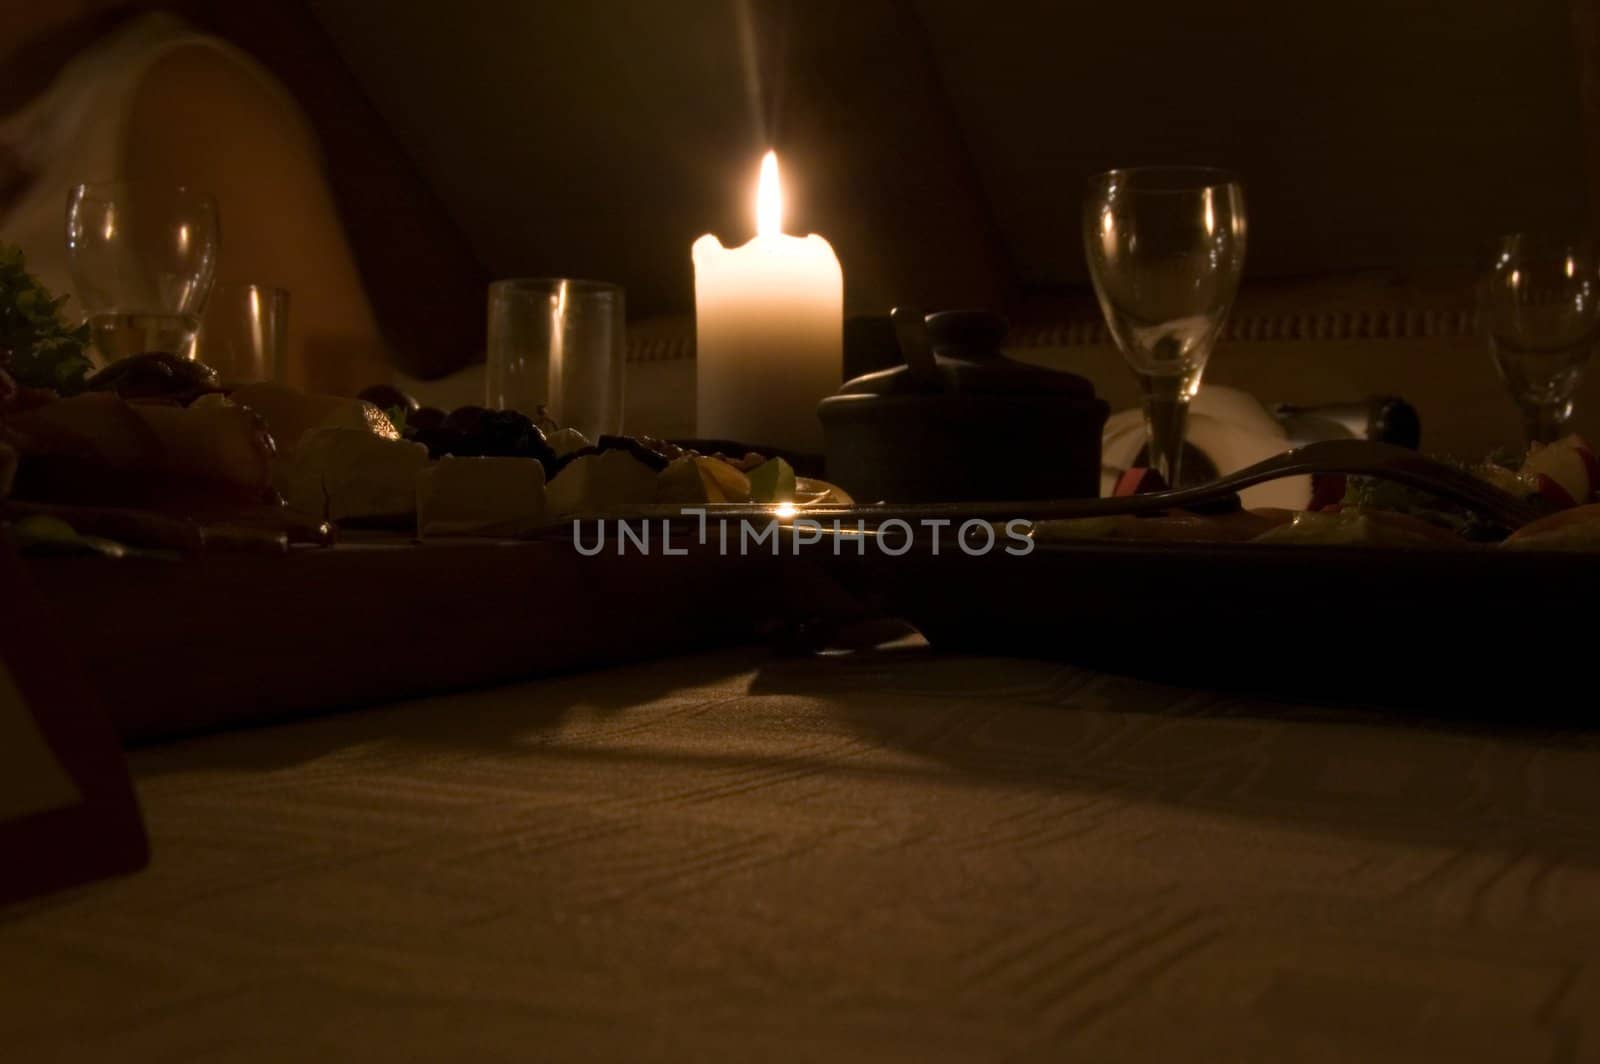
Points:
(153, 375)
(638, 448)
(502, 432)
(534, 445)
(467, 419)
(525, 442)
(442, 440)
(652, 459)
(504, 427)
(431, 437)
(425, 417)
(534, 449)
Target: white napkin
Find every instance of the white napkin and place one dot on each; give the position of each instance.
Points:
(1228, 426)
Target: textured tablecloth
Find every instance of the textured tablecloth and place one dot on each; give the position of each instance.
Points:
(866, 857)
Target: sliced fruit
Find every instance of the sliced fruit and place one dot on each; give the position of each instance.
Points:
(1508, 481)
(223, 445)
(1551, 491)
(1409, 525)
(1262, 517)
(1350, 527)
(772, 481)
(1574, 529)
(1327, 489)
(726, 482)
(1590, 461)
(1175, 526)
(1569, 463)
(694, 479)
(1139, 481)
(681, 483)
(96, 428)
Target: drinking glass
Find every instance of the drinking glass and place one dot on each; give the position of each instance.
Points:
(242, 332)
(556, 352)
(142, 259)
(1539, 308)
(1165, 247)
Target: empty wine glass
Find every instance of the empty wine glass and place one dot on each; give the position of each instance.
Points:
(1539, 308)
(142, 259)
(1165, 247)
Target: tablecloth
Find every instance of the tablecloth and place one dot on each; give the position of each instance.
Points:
(888, 855)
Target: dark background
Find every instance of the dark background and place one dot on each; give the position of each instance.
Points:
(940, 145)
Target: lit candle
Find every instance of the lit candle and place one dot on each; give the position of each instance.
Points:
(769, 323)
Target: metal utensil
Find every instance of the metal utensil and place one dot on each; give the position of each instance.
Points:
(1367, 458)
(1356, 457)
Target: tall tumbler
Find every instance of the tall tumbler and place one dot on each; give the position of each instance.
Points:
(243, 331)
(556, 348)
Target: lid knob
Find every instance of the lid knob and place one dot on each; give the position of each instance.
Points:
(967, 334)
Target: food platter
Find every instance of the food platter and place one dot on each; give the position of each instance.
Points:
(226, 638)
(397, 552)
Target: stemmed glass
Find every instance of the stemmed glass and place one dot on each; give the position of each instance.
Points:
(1539, 308)
(142, 260)
(1165, 247)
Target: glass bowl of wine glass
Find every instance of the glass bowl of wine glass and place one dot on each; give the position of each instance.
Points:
(1539, 311)
(142, 260)
(1165, 247)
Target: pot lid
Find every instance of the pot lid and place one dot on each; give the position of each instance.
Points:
(967, 360)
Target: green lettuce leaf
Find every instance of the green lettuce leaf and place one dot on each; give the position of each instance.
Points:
(37, 347)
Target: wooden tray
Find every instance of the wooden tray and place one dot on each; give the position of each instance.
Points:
(1476, 632)
(225, 639)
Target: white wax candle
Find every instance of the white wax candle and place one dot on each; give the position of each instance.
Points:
(769, 324)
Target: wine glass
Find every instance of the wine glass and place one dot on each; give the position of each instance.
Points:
(1165, 247)
(142, 260)
(1539, 308)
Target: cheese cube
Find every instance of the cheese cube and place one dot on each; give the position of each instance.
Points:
(344, 473)
(480, 497)
(600, 483)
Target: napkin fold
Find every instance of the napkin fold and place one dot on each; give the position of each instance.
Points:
(1230, 427)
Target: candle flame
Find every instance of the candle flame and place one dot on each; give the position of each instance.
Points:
(769, 199)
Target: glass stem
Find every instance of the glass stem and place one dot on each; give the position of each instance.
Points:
(1166, 418)
(1544, 422)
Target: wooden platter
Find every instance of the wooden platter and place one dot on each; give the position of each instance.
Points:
(1466, 632)
(223, 639)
